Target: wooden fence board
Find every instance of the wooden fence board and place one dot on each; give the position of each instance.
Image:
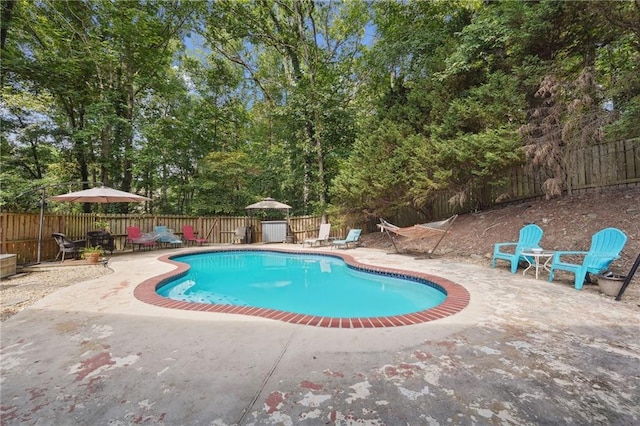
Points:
(632, 152)
(576, 170)
(610, 165)
(625, 163)
(594, 173)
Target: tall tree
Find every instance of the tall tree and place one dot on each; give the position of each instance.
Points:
(298, 53)
(286, 93)
(98, 60)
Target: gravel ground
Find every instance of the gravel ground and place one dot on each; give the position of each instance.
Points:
(23, 290)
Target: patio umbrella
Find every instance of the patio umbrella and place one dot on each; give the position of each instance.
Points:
(268, 203)
(102, 194)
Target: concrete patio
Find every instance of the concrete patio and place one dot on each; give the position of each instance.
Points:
(524, 352)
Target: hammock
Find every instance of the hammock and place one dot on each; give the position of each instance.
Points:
(422, 230)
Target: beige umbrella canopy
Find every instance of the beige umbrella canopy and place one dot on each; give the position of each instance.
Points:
(101, 194)
(268, 203)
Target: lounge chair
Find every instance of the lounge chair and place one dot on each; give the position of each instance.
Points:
(190, 237)
(240, 236)
(166, 236)
(606, 246)
(68, 246)
(323, 236)
(135, 237)
(530, 236)
(352, 240)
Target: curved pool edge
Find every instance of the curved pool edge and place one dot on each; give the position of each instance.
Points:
(457, 296)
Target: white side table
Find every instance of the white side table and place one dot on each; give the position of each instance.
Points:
(538, 258)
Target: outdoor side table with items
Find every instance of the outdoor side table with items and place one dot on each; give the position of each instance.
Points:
(535, 257)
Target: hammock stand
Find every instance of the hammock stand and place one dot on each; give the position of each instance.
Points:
(418, 231)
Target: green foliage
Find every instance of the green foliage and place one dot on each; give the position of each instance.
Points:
(16, 194)
(101, 224)
(92, 250)
(283, 99)
(299, 55)
(97, 60)
(380, 172)
(220, 187)
(475, 159)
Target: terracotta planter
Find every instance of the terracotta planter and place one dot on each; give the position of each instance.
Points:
(92, 257)
(610, 283)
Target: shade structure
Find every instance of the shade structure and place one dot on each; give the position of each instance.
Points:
(268, 203)
(102, 194)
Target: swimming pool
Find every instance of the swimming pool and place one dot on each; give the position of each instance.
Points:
(300, 283)
(311, 264)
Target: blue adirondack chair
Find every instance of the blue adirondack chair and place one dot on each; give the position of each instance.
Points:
(606, 246)
(353, 238)
(530, 236)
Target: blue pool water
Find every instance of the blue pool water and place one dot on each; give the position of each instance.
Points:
(303, 284)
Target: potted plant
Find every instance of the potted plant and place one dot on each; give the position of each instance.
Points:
(101, 224)
(92, 254)
(610, 282)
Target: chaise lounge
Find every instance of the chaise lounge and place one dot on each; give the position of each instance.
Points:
(352, 240)
(323, 236)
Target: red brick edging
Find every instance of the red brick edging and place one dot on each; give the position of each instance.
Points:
(456, 300)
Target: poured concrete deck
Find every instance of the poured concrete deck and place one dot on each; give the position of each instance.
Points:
(523, 352)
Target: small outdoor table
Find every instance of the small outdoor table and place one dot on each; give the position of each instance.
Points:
(538, 257)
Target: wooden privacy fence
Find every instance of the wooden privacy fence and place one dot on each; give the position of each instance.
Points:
(609, 164)
(19, 231)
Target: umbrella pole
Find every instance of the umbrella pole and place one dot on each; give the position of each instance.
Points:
(248, 228)
(42, 204)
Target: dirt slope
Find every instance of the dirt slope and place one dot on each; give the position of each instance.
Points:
(568, 224)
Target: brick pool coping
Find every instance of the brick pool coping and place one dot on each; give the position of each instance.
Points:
(456, 300)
